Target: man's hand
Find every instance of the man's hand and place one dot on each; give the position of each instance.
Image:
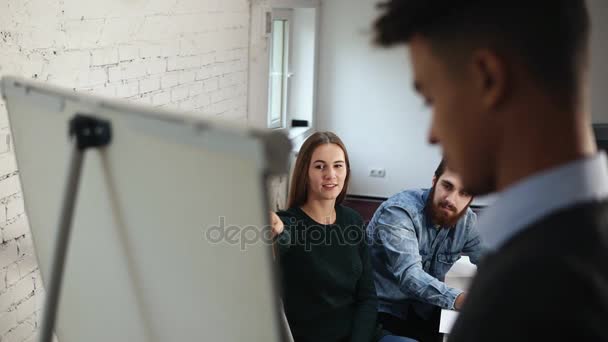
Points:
(459, 301)
(276, 224)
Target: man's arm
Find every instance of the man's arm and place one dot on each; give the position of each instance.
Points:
(396, 233)
(473, 246)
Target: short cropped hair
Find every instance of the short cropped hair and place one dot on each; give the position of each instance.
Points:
(550, 38)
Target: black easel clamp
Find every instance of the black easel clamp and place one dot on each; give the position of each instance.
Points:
(90, 131)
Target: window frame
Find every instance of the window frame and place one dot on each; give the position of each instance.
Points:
(285, 15)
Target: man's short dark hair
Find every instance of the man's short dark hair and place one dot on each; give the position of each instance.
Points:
(548, 37)
(440, 169)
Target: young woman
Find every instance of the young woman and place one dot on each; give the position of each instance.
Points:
(327, 280)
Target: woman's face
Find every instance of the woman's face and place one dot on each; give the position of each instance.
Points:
(326, 173)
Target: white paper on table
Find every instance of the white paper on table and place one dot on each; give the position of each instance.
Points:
(448, 317)
(459, 276)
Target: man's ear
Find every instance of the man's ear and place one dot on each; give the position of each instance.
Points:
(491, 77)
(434, 180)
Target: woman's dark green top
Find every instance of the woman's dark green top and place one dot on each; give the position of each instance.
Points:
(327, 280)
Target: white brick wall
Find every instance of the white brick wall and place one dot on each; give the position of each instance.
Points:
(191, 55)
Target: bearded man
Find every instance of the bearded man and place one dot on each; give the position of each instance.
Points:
(415, 237)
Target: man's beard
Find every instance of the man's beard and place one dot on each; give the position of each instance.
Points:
(438, 216)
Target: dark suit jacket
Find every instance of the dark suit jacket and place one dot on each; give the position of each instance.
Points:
(548, 283)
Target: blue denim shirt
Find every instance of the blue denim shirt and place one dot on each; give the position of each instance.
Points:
(410, 256)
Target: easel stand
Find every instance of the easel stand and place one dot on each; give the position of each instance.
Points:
(86, 132)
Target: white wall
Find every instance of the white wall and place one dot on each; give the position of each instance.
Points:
(366, 97)
(188, 54)
(302, 61)
(599, 56)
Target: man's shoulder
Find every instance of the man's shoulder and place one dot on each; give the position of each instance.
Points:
(545, 286)
(411, 200)
(540, 269)
(589, 220)
(469, 219)
(541, 289)
(572, 240)
(591, 212)
(405, 204)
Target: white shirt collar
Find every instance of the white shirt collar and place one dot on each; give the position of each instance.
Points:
(532, 198)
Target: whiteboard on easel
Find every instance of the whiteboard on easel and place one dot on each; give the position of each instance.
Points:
(149, 258)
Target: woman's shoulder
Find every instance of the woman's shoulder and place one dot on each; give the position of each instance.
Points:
(289, 214)
(349, 214)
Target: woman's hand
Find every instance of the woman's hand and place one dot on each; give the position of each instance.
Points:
(276, 224)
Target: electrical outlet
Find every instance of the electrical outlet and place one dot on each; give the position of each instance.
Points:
(379, 173)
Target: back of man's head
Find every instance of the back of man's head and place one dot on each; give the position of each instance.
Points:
(549, 38)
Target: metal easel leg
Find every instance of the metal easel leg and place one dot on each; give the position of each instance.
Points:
(86, 132)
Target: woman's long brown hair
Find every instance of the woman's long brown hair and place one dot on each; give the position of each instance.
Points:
(298, 190)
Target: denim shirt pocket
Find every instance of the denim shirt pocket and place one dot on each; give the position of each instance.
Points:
(445, 262)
